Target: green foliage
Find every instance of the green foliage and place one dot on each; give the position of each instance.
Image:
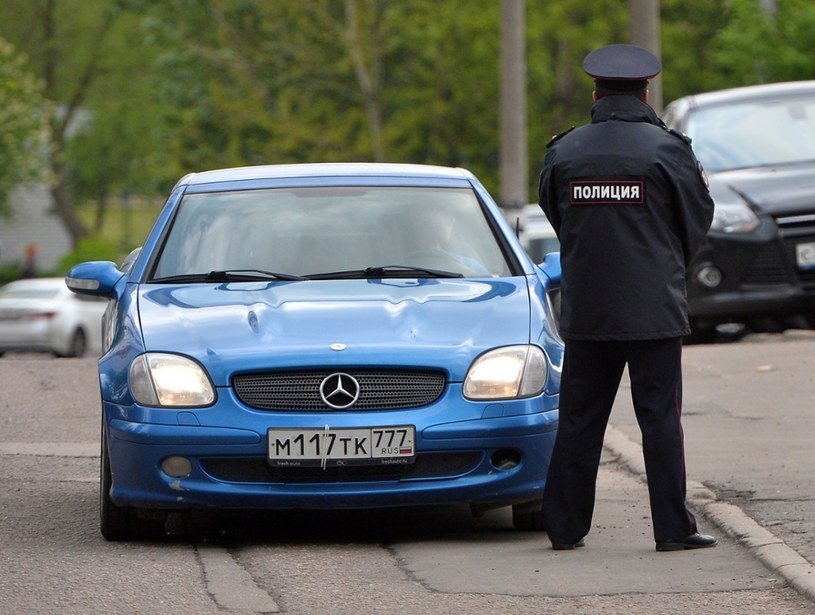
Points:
(689, 30)
(89, 249)
(182, 85)
(91, 58)
(23, 128)
(559, 35)
(9, 273)
(116, 149)
(760, 47)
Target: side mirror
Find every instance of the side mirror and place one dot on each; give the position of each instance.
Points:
(95, 278)
(551, 268)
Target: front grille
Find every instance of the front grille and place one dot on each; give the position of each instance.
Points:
(257, 470)
(802, 220)
(378, 389)
(766, 267)
(796, 230)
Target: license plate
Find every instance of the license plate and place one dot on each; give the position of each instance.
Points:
(805, 253)
(337, 447)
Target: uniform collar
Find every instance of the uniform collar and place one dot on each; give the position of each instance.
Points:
(625, 109)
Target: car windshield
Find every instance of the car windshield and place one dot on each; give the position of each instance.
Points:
(319, 231)
(751, 134)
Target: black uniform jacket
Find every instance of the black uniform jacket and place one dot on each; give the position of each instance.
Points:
(630, 205)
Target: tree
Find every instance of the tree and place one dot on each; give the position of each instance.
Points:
(689, 28)
(23, 125)
(324, 80)
(165, 87)
(763, 42)
(117, 150)
(66, 42)
(560, 36)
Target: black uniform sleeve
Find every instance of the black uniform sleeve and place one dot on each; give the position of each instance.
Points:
(547, 193)
(694, 206)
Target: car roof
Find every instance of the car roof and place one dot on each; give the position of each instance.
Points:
(328, 169)
(766, 91)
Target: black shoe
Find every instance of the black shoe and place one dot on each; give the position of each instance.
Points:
(568, 546)
(694, 541)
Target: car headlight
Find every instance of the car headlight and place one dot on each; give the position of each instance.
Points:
(158, 379)
(507, 373)
(734, 218)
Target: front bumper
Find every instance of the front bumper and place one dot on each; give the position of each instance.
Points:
(759, 277)
(457, 460)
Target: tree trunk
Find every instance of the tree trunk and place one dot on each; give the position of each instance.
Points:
(367, 61)
(63, 120)
(63, 205)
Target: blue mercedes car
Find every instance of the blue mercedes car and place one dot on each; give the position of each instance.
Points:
(325, 336)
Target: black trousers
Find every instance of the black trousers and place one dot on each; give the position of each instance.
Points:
(591, 376)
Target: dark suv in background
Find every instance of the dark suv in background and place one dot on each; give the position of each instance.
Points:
(757, 146)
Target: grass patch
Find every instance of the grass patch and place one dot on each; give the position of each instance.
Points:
(124, 226)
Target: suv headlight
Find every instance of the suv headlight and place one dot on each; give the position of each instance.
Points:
(507, 373)
(734, 218)
(170, 380)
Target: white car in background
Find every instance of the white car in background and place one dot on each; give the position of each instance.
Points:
(42, 315)
(534, 231)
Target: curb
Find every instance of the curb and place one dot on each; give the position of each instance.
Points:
(765, 546)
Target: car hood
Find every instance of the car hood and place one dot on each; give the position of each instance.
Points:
(250, 326)
(779, 190)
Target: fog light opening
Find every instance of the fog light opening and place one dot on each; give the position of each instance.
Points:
(505, 459)
(176, 466)
(709, 276)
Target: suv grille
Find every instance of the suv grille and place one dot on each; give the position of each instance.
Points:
(767, 267)
(378, 389)
(795, 230)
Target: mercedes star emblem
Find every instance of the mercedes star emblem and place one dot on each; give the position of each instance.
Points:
(339, 390)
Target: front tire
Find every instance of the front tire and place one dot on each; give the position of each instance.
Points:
(120, 523)
(528, 517)
(77, 346)
(700, 334)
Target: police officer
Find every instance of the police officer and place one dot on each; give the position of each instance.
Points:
(630, 205)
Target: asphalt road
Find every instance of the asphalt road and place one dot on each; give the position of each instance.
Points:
(749, 429)
(749, 419)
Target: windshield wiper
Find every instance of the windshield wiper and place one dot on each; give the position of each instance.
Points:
(409, 271)
(385, 271)
(229, 275)
(249, 275)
